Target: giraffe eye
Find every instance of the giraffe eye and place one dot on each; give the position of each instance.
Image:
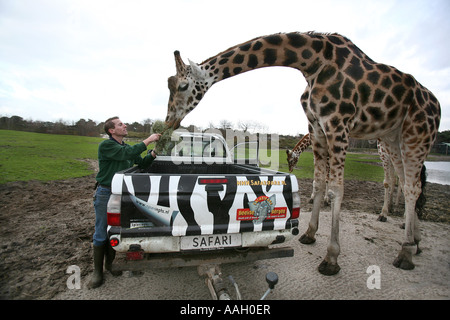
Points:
(183, 86)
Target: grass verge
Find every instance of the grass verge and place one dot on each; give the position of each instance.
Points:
(35, 156)
(26, 156)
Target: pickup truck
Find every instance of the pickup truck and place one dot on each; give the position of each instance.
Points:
(198, 197)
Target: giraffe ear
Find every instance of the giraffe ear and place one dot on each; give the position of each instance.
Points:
(197, 72)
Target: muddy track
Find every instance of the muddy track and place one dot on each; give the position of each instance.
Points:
(47, 226)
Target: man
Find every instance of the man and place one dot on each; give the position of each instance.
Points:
(113, 155)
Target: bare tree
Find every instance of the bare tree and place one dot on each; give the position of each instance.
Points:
(225, 124)
(147, 123)
(251, 126)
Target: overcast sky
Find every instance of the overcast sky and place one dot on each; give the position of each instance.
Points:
(93, 59)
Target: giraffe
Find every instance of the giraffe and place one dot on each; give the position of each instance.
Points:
(347, 95)
(292, 159)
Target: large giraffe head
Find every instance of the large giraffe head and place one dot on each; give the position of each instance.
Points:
(187, 88)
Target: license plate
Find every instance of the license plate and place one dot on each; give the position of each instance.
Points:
(213, 241)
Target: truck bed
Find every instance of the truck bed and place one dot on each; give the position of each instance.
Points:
(168, 167)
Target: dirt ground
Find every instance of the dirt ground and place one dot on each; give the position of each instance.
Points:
(45, 227)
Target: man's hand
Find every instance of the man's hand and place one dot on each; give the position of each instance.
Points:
(153, 138)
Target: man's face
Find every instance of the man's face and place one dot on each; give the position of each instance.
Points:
(120, 129)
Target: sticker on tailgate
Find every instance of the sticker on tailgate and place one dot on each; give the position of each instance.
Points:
(262, 208)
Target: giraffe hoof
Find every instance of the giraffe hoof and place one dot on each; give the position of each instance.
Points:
(382, 219)
(403, 264)
(328, 269)
(305, 239)
(404, 258)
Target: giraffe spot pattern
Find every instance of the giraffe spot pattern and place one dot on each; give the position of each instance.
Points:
(343, 83)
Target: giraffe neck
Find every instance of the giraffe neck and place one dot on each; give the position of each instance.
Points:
(303, 51)
(301, 146)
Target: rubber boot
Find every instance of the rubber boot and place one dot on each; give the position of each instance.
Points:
(97, 277)
(110, 254)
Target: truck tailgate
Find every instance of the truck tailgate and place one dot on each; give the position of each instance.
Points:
(190, 204)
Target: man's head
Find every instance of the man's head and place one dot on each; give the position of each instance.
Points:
(115, 127)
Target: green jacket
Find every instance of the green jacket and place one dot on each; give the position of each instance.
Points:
(114, 157)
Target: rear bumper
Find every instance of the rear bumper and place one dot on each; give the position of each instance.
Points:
(177, 260)
(163, 244)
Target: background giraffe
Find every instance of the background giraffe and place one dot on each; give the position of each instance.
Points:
(389, 181)
(347, 95)
(294, 154)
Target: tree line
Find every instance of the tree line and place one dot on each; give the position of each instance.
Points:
(142, 129)
(81, 127)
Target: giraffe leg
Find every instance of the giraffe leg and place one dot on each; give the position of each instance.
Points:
(329, 265)
(320, 165)
(385, 210)
(335, 177)
(417, 236)
(399, 194)
(318, 190)
(412, 231)
(389, 184)
(391, 180)
(404, 258)
(412, 189)
(311, 199)
(326, 199)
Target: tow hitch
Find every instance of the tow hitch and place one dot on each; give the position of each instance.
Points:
(208, 265)
(218, 289)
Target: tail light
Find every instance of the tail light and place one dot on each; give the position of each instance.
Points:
(295, 205)
(114, 242)
(113, 210)
(113, 219)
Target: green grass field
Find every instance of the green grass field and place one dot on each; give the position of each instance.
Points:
(26, 156)
(357, 166)
(33, 156)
